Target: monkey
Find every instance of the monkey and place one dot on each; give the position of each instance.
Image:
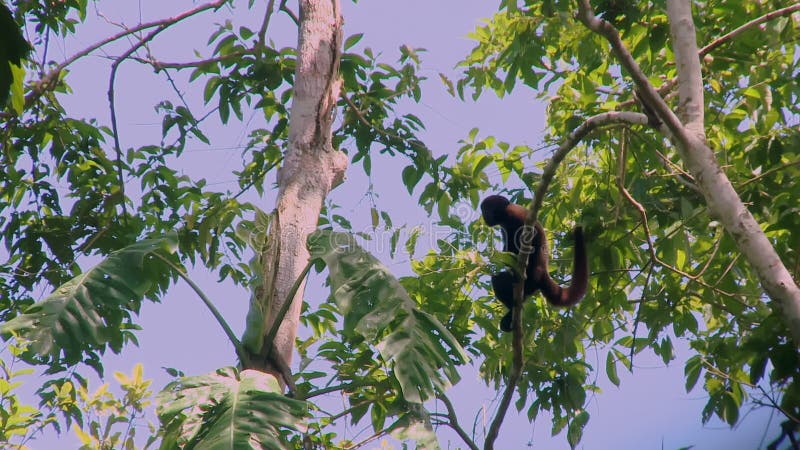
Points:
(499, 211)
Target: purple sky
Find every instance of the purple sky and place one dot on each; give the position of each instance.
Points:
(649, 411)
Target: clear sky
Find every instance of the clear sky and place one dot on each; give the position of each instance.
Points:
(650, 410)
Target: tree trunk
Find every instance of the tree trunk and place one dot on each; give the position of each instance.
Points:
(311, 168)
(723, 200)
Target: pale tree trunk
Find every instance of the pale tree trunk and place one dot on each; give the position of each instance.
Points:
(688, 135)
(723, 201)
(311, 168)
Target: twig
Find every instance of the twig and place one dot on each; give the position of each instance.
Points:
(289, 12)
(160, 65)
(49, 80)
(646, 90)
(159, 27)
(329, 389)
(237, 345)
(111, 103)
(637, 319)
(651, 247)
(755, 22)
(452, 422)
(525, 250)
(770, 172)
(262, 33)
(276, 323)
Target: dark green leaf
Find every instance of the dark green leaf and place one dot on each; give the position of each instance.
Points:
(376, 307)
(228, 410)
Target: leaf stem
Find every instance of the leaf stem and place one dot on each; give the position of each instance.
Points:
(237, 345)
(273, 331)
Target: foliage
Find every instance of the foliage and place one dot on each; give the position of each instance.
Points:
(226, 410)
(375, 307)
(692, 284)
(111, 422)
(17, 419)
(72, 194)
(93, 310)
(13, 50)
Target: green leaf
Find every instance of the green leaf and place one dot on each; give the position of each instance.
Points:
(94, 309)
(352, 40)
(611, 369)
(692, 371)
(575, 430)
(17, 89)
(228, 410)
(422, 352)
(415, 425)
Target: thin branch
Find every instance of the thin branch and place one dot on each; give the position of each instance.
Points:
(112, 107)
(378, 129)
(367, 440)
(262, 32)
(621, 158)
(237, 345)
(670, 84)
(789, 10)
(276, 324)
(161, 26)
(49, 81)
(651, 247)
(646, 90)
(525, 250)
(770, 172)
(161, 65)
(777, 406)
(329, 389)
(289, 12)
(637, 319)
(452, 422)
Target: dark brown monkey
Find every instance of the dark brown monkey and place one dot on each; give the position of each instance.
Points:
(498, 211)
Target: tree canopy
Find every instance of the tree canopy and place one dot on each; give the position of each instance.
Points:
(672, 136)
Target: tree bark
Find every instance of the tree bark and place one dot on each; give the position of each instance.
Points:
(721, 198)
(311, 168)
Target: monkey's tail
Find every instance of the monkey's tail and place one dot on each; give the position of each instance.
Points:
(568, 296)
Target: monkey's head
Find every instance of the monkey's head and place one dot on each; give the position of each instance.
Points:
(493, 209)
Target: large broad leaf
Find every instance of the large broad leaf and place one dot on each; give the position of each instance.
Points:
(229, 410)
(416, 425)
(94, 310)
(422, 352)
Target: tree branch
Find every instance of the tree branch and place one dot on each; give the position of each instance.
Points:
(452, 422)
(691, 106)
(528, 231)
(721, 198)
(50, 80)
(789, 10)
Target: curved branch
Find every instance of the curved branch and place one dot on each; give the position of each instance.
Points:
(721, 198)
(111, 103)
(276, 323)
(789, 10)
(548, 174)
(49, 81)
(452, 422)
